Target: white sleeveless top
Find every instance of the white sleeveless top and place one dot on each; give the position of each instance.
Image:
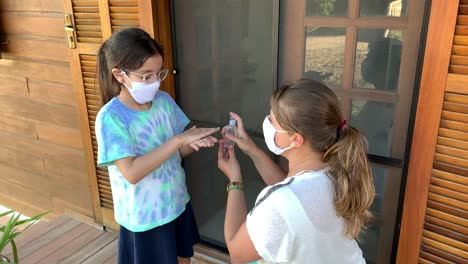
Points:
(295, 221)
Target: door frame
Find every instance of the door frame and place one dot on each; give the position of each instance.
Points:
(442, 19)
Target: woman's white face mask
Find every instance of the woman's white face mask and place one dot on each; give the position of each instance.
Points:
(269, 132)
(142, 93)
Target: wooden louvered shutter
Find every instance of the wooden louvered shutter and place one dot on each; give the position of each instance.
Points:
(93, 22)
(445, 233)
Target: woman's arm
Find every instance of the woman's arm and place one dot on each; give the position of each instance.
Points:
(270, 171)
(134, 169)
(240, 246)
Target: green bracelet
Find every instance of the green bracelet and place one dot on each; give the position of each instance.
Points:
(234, 187)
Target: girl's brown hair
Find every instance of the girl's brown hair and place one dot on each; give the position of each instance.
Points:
(313, 110)
(126, 49)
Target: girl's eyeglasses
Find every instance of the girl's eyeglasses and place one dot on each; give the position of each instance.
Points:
(152, 77)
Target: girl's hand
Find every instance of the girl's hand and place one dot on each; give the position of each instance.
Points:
(243, 140)
(228, 163)
(193, 134)
(205, 142)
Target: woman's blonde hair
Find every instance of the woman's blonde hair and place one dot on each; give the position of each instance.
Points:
(313, 110)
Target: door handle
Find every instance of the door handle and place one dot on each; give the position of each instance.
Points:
(70, 31)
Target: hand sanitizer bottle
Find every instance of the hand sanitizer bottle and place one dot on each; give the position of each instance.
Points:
(231, 129)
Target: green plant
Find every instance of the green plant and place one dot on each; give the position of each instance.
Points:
(10, 232)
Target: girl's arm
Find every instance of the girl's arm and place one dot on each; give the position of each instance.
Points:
(136, 168)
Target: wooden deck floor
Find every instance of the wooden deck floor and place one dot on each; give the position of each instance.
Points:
(66, 240)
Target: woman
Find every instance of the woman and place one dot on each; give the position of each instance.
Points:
(314, 212)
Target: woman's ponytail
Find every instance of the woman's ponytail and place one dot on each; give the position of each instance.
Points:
(349, 170)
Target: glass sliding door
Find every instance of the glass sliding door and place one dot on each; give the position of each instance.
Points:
(226, 61)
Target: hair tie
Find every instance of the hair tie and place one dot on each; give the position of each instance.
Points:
(343, 124)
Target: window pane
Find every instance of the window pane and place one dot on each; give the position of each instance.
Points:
(376, 242)
(394, 8)
(324, 54)
(375, 120)
(378, 56)
(207, 188)
(226, 54)
(327, 8)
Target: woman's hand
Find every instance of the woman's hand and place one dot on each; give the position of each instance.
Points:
(205, 142)
(228, 164)
(196, 134)
(243, 140)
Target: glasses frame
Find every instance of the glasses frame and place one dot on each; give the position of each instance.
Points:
(161, 75)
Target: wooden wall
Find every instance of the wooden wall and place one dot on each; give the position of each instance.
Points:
(42, 161)
(435, 215)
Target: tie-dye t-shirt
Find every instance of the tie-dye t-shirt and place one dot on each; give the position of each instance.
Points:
(121, 132)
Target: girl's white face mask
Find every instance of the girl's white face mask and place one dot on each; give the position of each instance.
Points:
(142, 93)
(269, 132)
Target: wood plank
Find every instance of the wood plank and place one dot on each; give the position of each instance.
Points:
(14, 85)
(456, 98)
(85, 215)
(62, 115)
(439, 43)
(76, 197)
(433, 258)
(447, 225)
(36, 231)
(457, 82)
(458, 171)
(57, 72)
(67, 250)
(448, 217)
(462, 20)
(461, 30)
(446, 232)
(459, 126)
(449, 185)
(425, 261)
(66, 156)
(54, 49)
(32, 6)
(450, 194)
(453, 134)
(451, 160)
(458, 60)
(455, 116)
(52, 92)
(36, 181)
(90, 248)
(444, 247)
(104, 254)
(50, 25)
(47, 238)
(455, 107)
(21, 160)
(17, 126)
(56, 244)
(448, 241)
(455, 152)
(446, 256)
(458, 69)
(454, 143)
(65, 136)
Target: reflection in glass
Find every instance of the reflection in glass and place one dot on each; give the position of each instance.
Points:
(378, 56)
(221, 66)
(324, 54)
(392, 8)
(376, 241)
(375, 120)
(226, 60)
(327, 8)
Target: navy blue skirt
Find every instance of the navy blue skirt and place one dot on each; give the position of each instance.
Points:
(162, 244)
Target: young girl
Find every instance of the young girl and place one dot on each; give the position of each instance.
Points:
(141, 139)
(314, 212)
